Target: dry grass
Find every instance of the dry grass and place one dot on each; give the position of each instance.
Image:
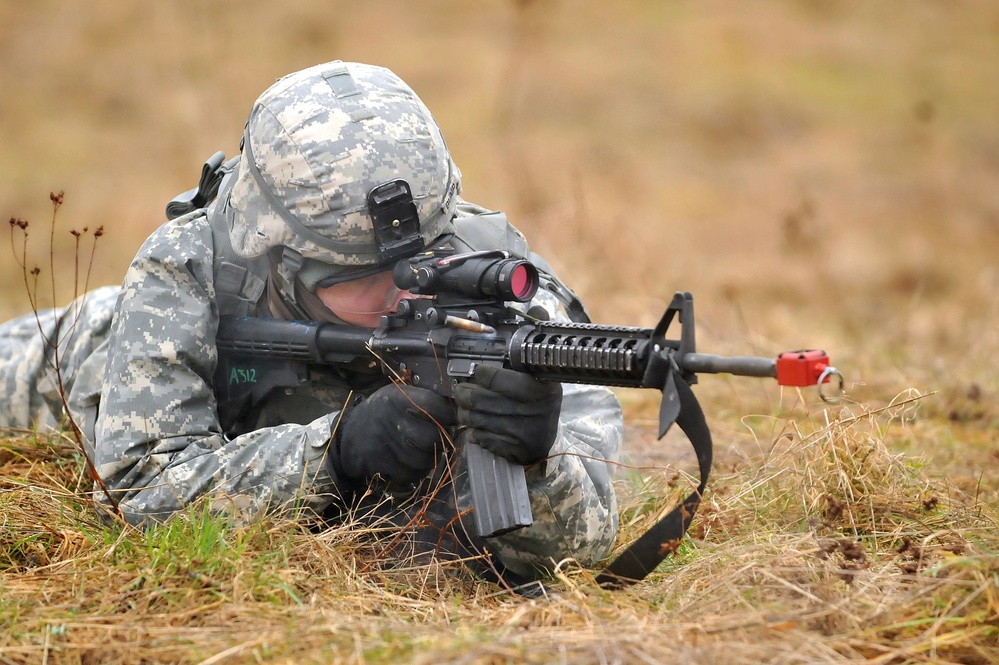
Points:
(826, 547)
(817, 173)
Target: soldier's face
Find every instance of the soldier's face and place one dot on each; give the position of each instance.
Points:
(363, 301)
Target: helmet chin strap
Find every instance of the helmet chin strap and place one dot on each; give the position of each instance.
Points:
(281, 292)
(287, 297)
(313, 307)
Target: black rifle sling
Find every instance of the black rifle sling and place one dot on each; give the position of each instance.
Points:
(643, 555)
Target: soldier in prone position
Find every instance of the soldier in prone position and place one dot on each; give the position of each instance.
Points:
(291, 235)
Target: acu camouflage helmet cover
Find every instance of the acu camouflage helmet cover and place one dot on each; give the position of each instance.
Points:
(316, 143)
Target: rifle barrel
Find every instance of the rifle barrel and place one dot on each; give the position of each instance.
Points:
(709, 363)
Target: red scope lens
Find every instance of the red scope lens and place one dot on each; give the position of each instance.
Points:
(523, 283)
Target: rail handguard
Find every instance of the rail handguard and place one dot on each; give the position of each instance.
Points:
(463, 319)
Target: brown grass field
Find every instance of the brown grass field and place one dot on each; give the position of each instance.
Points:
(819, 173)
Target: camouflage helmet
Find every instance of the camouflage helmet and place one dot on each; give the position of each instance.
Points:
(316, 144)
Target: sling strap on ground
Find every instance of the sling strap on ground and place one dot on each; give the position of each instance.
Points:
(642, 556)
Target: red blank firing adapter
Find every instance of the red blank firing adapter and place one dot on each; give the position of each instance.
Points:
(802, 368)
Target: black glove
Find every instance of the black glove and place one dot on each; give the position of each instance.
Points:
(511, 414)
(395, 433)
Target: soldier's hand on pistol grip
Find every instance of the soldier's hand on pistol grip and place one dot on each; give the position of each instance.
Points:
(511, 414)
(397, 433)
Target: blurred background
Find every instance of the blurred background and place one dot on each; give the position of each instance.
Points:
(819, 173)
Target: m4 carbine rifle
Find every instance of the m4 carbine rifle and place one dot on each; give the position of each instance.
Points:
(467, 313)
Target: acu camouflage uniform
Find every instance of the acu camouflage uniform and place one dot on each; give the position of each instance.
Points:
(139, 362)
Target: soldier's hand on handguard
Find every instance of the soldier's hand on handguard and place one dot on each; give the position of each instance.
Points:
(398, 433)
(511, 414)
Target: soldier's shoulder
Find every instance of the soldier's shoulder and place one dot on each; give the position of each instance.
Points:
(186, 236)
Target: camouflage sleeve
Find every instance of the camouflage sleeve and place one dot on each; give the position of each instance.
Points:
(572, 497)
(53, 352)
(159, 445)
